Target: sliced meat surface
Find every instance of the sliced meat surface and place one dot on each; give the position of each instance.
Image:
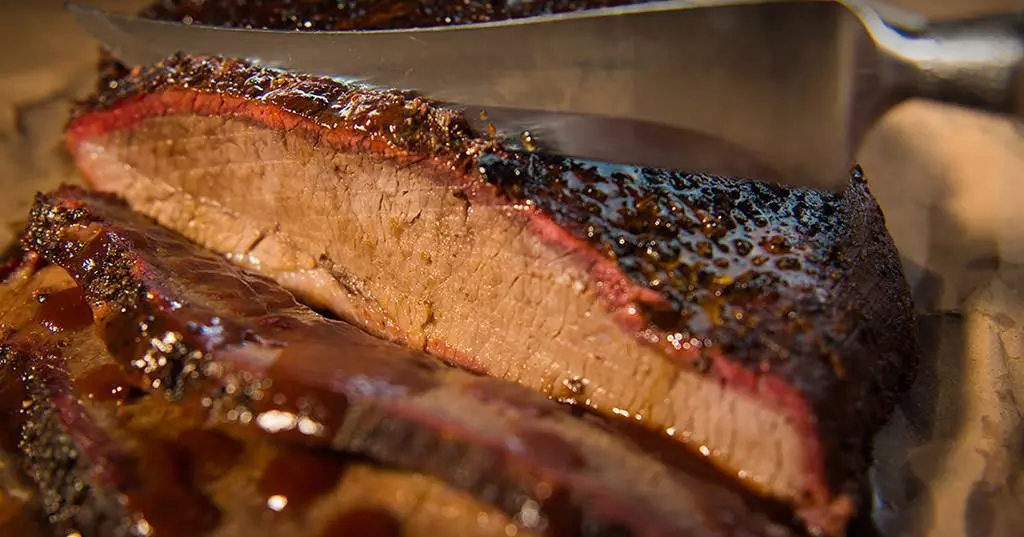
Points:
(188, 323)
(768, 329)
(113, 460)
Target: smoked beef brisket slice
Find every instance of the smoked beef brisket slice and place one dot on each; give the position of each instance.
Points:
(113, 460)
(190, 324)
(768, 328)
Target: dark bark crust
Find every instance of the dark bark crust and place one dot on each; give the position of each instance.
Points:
(727, 271)
(111, 460)
(731, 262)
(186, 322)
(795, 284)
(63, 473)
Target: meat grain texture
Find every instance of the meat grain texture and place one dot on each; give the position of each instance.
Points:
(719, 312)
(186, 323)
(928, 128)
(769, 329)
(112, 460)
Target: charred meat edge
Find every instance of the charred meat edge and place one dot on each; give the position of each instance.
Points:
(829, 353)
(113, 460)
(187, 321)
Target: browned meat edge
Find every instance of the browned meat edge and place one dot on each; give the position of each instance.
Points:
(189, 322)
(113, 460)
(45, 406)
(820, 331)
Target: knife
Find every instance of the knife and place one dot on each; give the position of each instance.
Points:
(778, 90)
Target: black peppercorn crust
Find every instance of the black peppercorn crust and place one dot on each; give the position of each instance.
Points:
(739, 280)
(184, 322)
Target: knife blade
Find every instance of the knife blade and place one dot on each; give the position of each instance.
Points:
(778, 90)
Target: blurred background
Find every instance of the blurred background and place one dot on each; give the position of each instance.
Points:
(951, 182)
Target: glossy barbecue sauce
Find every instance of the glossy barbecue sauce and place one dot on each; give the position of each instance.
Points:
(168, 499)
(213, 453)
(12, 393)
(295, 478)
(274, 366)
(103, 383)
(63, 310)
(715, 268)
(52, 311)
(369, 522)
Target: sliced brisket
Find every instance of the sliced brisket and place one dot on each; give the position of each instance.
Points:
(189, 324)
(112, 460)
(769, 329)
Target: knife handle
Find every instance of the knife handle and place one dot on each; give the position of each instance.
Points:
(977, 63)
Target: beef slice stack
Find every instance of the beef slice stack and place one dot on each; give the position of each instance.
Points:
(715, 352)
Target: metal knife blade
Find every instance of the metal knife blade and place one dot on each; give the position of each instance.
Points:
(767, 90)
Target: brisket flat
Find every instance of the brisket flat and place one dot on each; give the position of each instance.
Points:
(112, 460)
(189, 324)
(769, 329)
